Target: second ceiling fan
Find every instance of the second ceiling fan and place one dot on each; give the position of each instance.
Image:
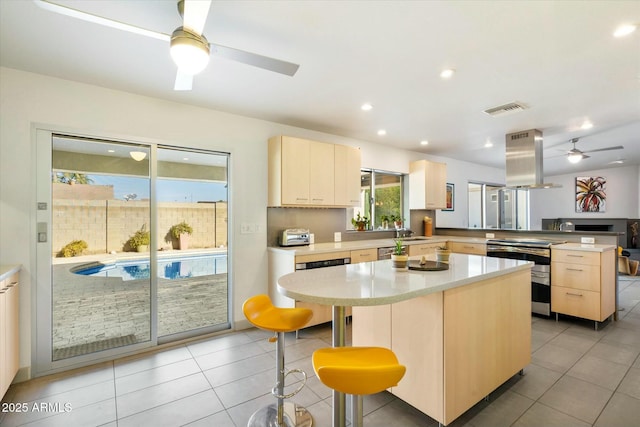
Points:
(574, 155)
(189, 48)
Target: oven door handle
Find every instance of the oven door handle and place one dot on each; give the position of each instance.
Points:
(515, 249)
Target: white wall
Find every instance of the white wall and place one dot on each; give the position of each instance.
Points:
(622, 189)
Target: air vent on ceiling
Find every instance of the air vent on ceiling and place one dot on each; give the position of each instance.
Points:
(512, 107)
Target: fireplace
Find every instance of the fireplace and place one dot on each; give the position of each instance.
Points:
(594, 227)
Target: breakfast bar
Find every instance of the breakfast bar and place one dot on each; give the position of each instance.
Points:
(460, 332)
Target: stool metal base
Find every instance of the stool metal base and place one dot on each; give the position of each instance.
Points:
(294, 416)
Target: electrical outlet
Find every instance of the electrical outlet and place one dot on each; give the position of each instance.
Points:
(588, 240)
(490, 235)
(337, 236)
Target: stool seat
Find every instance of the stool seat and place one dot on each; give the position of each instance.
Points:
(357, 370)
(260, 311)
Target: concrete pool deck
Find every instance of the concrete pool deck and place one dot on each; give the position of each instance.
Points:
(89, 310)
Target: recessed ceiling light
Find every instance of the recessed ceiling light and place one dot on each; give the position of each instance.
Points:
(586, 125)
(382, 132)
(488, 144)
(185, 158)
(111, 151)
(424, 142)
(447, 73)
(366, 107)
(624, 30)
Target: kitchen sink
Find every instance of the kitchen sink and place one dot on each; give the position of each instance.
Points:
(408, 239)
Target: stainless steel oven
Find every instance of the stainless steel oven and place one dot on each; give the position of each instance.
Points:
(537, 251)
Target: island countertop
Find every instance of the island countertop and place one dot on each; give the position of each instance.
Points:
(378, 283)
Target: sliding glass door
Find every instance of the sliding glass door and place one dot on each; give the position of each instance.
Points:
(132, 247)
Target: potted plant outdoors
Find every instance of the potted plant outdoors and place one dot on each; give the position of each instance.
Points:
(442, 254)
(360, 223)
(399, 258)
(181, 232)
(140, 240)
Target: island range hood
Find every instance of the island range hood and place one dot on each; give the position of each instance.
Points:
(524, 160)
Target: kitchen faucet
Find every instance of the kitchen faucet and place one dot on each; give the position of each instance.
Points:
(403, 232)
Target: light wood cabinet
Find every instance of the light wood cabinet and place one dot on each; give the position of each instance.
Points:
(347, 176)
(583, 283)
(9, 332)
(310, 173)
(468, 248)
(364, 255)
(423, 249)
(455, 350)
(427, 185)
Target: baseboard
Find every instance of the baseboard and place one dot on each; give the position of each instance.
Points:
(24, 374)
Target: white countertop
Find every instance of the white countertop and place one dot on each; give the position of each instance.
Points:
(584, 247)
(378, 283)
(8, 270)
(369, 244)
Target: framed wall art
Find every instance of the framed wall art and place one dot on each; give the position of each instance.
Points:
(450, 197)
(591, 194)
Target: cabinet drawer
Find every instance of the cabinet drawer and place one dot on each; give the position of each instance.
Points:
(424, 249)
(575, 257)
(576, 302)
(322, 256)
(576, 276)
(468, 248)
(364, 255)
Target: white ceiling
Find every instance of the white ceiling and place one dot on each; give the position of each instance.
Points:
(557, 57)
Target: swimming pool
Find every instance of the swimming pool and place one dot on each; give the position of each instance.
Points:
(172, 269)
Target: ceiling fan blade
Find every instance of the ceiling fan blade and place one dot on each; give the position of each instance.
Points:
(617, 147)
(184, 81)
(89, 17)
(195, 14)
(271, 64)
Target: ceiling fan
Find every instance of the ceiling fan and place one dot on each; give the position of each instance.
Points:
(574, 155)
(189, 48)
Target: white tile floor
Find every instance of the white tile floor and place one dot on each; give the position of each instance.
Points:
(578, 377)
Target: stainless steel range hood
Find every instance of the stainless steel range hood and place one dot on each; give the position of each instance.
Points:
(524, 160)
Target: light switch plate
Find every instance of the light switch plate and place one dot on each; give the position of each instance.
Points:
(337, 236)
(588, 240)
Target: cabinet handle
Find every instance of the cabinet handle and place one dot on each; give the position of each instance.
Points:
(575, 269)
(575, 256)
(575, 295)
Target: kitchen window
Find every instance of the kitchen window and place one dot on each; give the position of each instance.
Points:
(381, 199)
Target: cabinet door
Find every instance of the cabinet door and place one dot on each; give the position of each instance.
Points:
(321, 173)
(347, 176)
(295, 171)
(427, 185)
(576, 302)
(12, 337)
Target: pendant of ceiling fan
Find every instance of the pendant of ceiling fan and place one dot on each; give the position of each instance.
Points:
(574, 155)
(187, 41)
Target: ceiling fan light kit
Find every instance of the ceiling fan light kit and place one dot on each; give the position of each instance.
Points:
(189, 51)
(574, 157)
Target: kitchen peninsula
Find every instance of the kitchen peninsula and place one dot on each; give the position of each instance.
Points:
(460, 332)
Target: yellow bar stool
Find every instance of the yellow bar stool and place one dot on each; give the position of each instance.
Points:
(260, 311)
(357, 371)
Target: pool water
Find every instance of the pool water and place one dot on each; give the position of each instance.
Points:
(175, 268)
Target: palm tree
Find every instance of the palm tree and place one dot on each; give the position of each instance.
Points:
(590, 194)
(71, 177)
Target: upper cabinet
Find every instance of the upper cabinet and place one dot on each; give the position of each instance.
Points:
(427, 185)
(309, 173)
(347, 174)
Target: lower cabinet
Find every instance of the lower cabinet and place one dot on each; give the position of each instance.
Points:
(423, 249)
(583, 282)
(455, 350)
(9, 332)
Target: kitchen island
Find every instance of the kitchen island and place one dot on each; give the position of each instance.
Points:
(461, 332)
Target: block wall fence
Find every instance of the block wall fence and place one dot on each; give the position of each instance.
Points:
(106, 225)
